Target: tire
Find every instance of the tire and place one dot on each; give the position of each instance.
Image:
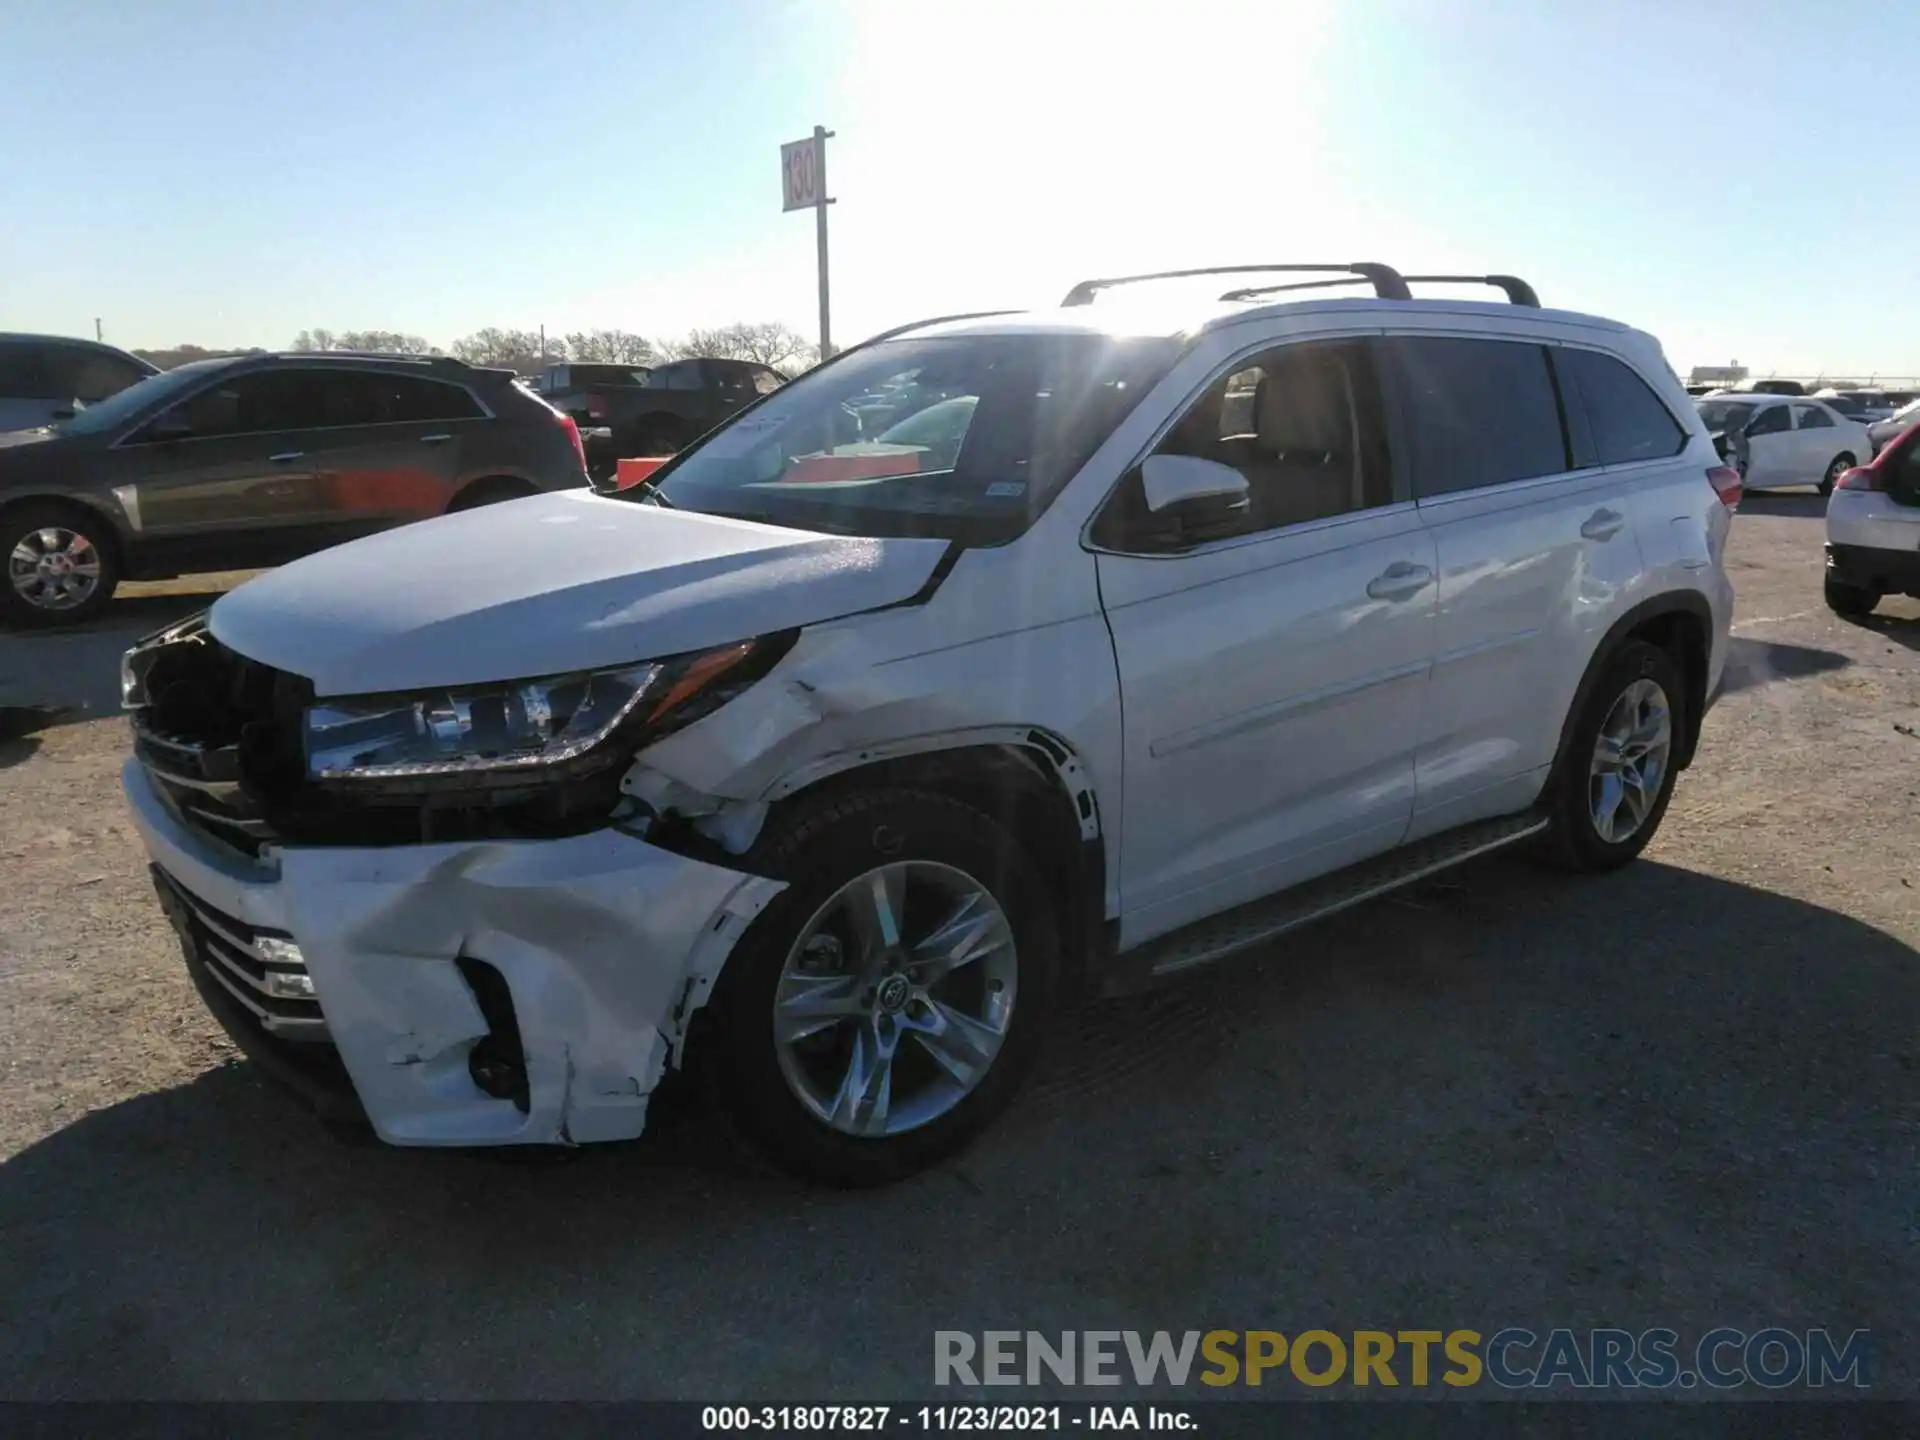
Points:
(924, 1112)
(489, 492)
(656, 437)
(86, 543)
(1839, 465)
(1575, 838)
(1851, 601)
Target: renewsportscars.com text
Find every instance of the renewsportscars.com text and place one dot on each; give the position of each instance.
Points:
(1513, 1358)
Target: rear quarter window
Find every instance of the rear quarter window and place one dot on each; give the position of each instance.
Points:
(1627, 420)
(1477, 412)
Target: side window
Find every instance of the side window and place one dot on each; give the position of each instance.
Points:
(1302, 422)
(260, 403)
(1629, 422)
(409, 399)
(731, 380)
(89, 376)
(681, 375)
(1478, 412)
(766, 381)
(1770, 421)
(22, 375)
(1811, 417)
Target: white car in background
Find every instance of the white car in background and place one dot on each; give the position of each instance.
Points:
(1790, 440)
(1884, 432)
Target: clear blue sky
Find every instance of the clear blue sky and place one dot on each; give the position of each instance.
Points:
(1732, 176)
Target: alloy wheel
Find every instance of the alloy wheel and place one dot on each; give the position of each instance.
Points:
(54, 568)
(1630, 760)
(895, 999)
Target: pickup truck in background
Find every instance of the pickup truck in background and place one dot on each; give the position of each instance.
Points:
(627, 411)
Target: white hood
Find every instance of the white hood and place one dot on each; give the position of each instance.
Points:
(549, 584)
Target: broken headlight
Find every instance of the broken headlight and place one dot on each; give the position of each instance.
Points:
(521, 727)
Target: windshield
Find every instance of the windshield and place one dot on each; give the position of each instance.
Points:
(1725, 414)
(959, 437)
(116, 410)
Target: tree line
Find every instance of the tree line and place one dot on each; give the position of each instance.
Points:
(766, 342)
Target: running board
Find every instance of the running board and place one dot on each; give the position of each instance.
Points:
(1254, 924)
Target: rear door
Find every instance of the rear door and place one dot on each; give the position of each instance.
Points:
(223, 478)
(1819, 440)
(1531, 538)
(391, 448)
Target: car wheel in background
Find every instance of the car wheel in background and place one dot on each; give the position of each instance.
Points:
(886, 1004)
(655, 438)
(1852, 601)
(1611, 788)
(1839, 466)
(62, 568)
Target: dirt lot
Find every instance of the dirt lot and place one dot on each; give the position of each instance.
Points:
(1684, 1095)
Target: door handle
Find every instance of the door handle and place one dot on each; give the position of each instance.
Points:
(1603, 524)
(286, 456)
(1399, 581)
(435, 439)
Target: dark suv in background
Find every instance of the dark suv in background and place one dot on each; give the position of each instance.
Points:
(44, 378)
(235, 463)
(630, 410)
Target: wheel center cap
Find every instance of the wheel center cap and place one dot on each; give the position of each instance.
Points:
(893, 994)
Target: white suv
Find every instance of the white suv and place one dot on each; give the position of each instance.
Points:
(834, 766)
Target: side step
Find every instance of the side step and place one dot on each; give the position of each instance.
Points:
(1262, 920)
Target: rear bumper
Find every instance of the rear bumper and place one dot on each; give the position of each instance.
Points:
(602, 946)
(1890, 572)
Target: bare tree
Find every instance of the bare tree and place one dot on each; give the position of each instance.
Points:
(393, 342)
(311, 340)
(614, 347)
(513, 349)
(765, 342)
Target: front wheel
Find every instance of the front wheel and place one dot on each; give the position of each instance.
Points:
(886, 1004)
(1611, 789)
(61, 566)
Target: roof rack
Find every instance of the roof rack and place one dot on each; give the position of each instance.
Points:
(1519, 292)
(391, 356)
(1386, 281)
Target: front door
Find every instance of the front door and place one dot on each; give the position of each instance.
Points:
(224, 479)
(1271, 676)
(1773, 451)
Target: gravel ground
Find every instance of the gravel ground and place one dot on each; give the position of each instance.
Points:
(1687, 1094)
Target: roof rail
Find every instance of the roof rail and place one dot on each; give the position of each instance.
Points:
(1387, 283)
(1519, 292)
(931, 320)
(390, 355)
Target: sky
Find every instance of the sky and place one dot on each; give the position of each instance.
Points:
(1729, 176)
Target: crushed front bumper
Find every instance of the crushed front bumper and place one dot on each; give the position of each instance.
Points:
(602, 945)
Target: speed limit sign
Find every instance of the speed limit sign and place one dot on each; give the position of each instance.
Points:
(803, 167)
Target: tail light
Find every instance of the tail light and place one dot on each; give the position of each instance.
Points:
(1861, 477)
(1726, 484)
(573, 434)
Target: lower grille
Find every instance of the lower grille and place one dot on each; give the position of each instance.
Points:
(262, 971)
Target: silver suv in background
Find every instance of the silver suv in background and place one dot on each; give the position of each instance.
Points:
(835, 767)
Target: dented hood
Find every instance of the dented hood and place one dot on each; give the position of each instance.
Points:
(549, 584)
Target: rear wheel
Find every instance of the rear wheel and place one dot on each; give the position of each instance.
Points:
(885, 1005)
(490, 492)
(61, 565)
(1612, 787)
(1853, 601)
(1839, 466)
(655, 438)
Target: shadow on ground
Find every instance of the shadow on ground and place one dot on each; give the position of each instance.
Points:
(73, 674)
(1752, 663)
(1792, 504)
(1506, 1098)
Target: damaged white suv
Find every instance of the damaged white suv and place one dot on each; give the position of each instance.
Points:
(1000, 659)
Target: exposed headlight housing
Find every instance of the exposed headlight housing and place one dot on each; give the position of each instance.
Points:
(521, 730)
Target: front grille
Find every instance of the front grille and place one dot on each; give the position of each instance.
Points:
(234, 957)
(217, 733)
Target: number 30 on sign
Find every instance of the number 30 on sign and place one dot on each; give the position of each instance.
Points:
(801, 173)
